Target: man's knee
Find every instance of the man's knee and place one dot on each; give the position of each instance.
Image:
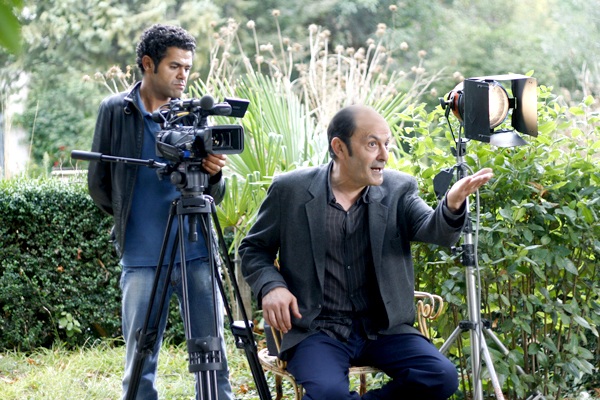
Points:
(327, 390)
(448, 380)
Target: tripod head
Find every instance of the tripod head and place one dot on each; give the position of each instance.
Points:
(189, 177)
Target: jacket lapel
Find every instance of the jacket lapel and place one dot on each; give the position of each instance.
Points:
(378, 214)
(315, 211)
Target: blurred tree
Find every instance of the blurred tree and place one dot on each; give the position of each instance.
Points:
(10, 29)
(67, 39)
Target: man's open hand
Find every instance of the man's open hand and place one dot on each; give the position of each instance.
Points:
(468, 185)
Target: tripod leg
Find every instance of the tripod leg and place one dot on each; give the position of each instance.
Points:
(147, 335)
(243, 334)
(501, 346)
(204, 353)
(492, 371)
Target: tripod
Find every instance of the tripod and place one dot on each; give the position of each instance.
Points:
(205, 353)
(475, 325)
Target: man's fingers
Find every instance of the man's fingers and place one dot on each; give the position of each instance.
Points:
(269, 318)
(276, 308)
(295, 309)
(285, 320)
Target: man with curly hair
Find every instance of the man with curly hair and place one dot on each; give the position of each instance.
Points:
(140, 203)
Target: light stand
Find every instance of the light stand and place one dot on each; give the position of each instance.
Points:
(474, 323)
(473, 107)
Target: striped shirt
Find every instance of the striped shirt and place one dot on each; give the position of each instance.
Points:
(350, 290)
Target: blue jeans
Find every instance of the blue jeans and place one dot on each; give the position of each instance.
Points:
(418, 370)
(136, 284)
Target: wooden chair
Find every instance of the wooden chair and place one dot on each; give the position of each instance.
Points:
(429, 307)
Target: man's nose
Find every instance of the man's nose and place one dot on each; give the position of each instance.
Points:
(383, 154)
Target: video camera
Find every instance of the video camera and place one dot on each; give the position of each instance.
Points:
(186, 135)
(186, 139)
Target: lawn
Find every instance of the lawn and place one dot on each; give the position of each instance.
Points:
(94, 373)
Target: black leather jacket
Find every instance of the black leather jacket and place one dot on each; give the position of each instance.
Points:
(120, 132)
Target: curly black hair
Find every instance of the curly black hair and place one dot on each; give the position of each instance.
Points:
(155, 41)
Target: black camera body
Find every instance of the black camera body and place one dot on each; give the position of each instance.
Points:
(186, 136)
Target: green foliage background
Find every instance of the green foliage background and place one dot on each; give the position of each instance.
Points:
(539, 238)
(63, 40)
(56, 262)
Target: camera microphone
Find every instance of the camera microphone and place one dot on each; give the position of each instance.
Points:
(207, 102)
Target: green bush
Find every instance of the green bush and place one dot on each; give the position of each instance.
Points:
(57, 263)
(538, 247)
(59, 274)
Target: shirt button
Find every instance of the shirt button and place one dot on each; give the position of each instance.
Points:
(348, 267)
(319, 306)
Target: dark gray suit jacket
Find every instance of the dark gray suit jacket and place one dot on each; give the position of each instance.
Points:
(291, 222)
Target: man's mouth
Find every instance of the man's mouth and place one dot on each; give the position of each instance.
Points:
(377, 170)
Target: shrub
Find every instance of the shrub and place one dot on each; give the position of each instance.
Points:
(539, 244)
(56, 261)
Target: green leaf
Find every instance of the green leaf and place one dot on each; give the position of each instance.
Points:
(576, 111)
(585, 353)
(581, 321)
(589, 100)
(519, 214)
(548, 343)
(588, 216)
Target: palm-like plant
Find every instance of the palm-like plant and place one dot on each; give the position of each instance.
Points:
(286, 121)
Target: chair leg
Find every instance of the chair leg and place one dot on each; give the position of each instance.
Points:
(278, 387)
(363, 384)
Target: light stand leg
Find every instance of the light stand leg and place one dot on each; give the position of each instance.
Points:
(501, 346)
(492, 371)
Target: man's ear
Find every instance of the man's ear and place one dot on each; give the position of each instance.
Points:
(339, 147)
(148, 64)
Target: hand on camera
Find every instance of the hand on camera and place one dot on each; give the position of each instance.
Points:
(214, 163)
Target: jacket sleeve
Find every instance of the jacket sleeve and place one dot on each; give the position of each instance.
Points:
(216, 187)
(259, 248)
(99, 173)
(428, 225)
